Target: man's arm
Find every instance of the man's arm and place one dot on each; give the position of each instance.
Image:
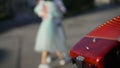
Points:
(60, 5)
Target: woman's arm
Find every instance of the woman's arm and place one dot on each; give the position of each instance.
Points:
(38, 8)
(40, 2)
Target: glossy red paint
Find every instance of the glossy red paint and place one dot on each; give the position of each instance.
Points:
(108, 30)
(94, 46)
(93, 52)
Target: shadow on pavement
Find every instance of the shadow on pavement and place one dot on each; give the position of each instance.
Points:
(3, 55)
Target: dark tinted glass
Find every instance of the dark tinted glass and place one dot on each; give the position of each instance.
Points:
(112, 59)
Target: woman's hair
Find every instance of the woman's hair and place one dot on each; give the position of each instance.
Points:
(38, 1)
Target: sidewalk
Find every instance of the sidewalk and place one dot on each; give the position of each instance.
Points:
(19, 42)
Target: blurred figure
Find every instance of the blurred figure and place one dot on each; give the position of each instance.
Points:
(51, 37)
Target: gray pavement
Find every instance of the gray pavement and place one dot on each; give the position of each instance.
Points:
(18, 43)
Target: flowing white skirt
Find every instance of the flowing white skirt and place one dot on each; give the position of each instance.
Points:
(50, 36)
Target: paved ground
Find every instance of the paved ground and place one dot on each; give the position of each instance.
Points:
(16, 44)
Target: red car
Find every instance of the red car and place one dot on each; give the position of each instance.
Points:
(100, 48)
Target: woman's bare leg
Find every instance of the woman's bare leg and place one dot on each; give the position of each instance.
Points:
(44, 57)
(63, 57)
(59, 55)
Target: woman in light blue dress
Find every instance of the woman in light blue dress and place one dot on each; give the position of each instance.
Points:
(50, 37)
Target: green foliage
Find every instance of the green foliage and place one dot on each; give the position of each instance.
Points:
(5, 9)
(78, 6)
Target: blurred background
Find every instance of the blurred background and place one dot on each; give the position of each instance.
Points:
(9, 8)
(19, 24)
